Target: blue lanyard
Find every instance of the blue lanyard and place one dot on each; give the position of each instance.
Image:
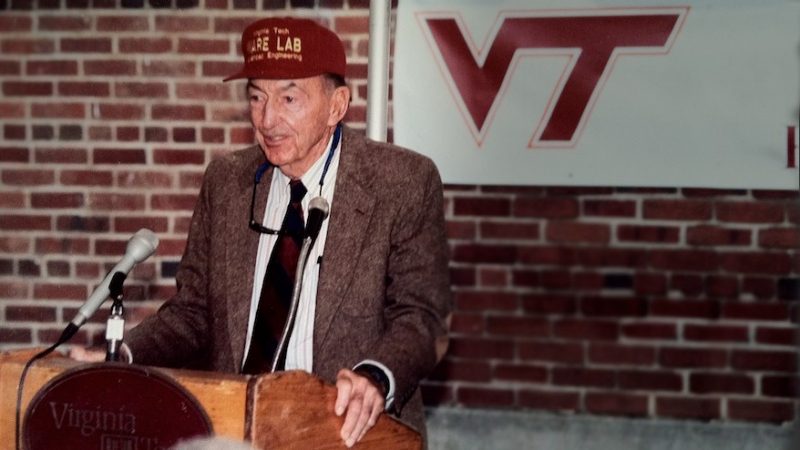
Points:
(336, 137)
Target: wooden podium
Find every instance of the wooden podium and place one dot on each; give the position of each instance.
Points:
(273, 411)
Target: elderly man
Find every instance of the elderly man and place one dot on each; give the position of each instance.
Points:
(375, 292)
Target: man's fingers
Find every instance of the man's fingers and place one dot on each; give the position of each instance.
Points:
(350, 426)
(344, 387)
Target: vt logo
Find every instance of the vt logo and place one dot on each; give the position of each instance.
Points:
(591, 39)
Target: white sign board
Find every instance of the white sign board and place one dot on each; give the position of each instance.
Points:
(570, 92)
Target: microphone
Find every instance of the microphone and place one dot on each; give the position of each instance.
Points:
(140, 246)
(318, 210)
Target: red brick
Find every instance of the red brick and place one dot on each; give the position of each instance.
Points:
(122, 23)
(118, 156)
(220, 69)
(700, 309)
(15, 23)
(182, 24)
(761, 410)
(548, 304)
(470, 371)
(432, 395)
(27, 46)
(13, 290)
(10, 68)
(684, 260)
(27, 89)
(594, 306)
(356, 71)
(759, 287)
(772, 361)
(752, 262)
(517, 326)
(549, 400)
(178, 112)
(526, 278)
(688, 408)
(173, 202)
(64, 23)
(546, 255)
(12, 110)
(722, 286)
(27, 177)
(84, 89)
(778, 336)
(775, 194)
(780, 386)
(688, 285)
(190, 180)
(212, 135)
(575, 376)
(486, 301)
(10, 244)
(481, 348)
(577, 232)
(491, 277)
(640, 380)
(586, 329)
(693, 357)
(14, 154)
(148, 179)
(609, 208)
(611, 257)
(716, 333)
(351, 25)
(477, 206)
(755, 311)
(649, 283)
(178, 157)
(57, 200)
(86, 178)
(83, 224)
(203, 91)
(114, 202)
(58, 110)
(169, 68)
(519, 372)
(15, 335)
(467, 323)
(567, 353)
(12, 200)
(749, 212)
(141, 90)
(648, 233)
(478, 253)
(145, 45)
(550, 208)
(54, 67)
(676, 210)
(470, 396)
(109, 67)
(67, 246)
(242, 135)
(622, 354)
(86, 45)
(61, 155)
(57, 291)
(30, 314)
(616, 404)
(788, 238)
(720, 383)
(203, 46)
(133, 224)
(460, 230)
(709, 235)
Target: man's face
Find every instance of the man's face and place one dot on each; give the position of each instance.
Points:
(293, 119)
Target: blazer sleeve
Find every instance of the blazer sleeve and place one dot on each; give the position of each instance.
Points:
(177, 334)
(418, 300)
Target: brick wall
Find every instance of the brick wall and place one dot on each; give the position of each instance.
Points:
(676, 303)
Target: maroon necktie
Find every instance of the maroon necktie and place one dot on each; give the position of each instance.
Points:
(276, 291)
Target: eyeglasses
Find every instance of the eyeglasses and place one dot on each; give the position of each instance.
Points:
(257, 227)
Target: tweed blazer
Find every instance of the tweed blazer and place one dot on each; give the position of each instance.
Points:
(383, 289)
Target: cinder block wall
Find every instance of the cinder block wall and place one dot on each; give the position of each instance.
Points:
(677, 303)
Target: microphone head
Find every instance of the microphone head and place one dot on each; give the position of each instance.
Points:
(321, 204)
(141, 245)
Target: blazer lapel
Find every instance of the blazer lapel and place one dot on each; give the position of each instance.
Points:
(351, 212)
(240, 257)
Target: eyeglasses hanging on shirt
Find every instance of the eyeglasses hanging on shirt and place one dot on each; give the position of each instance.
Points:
(256, 226)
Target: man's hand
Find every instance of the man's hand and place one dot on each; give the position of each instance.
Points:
(87, 355)
(363, 402)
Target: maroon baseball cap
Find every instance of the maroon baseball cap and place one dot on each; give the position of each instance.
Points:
(286, 48)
